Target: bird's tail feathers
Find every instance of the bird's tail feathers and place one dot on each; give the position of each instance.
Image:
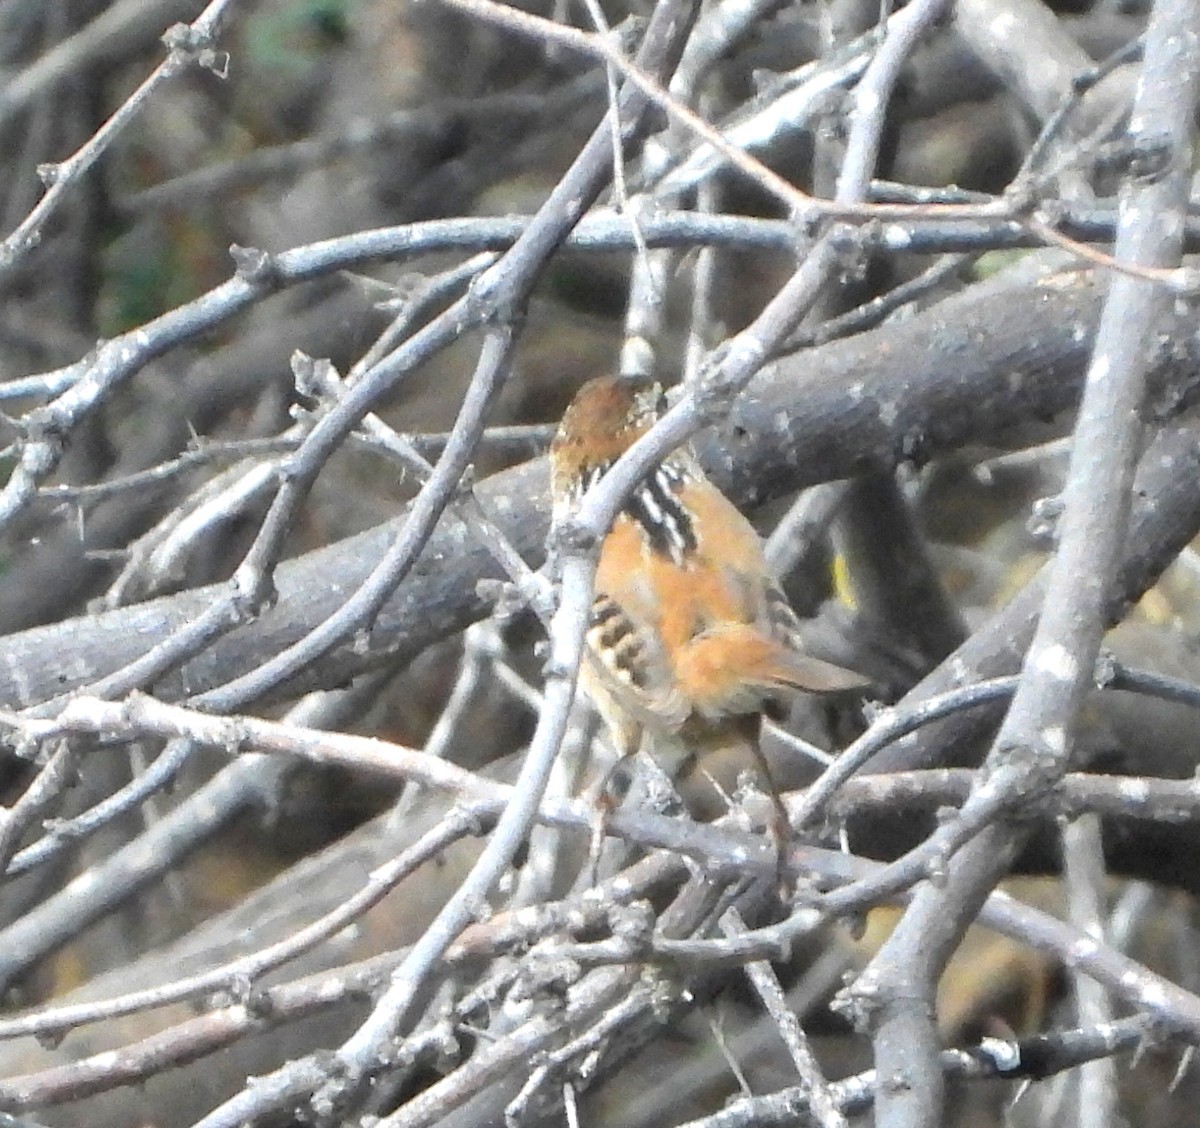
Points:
(733, 667)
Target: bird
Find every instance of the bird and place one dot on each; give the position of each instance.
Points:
(690, 638)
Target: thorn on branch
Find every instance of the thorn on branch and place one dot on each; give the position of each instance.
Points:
(1107, 669)
(310, 375)
(215, 62)
(188, 44)
(253, 265)
(185, 38)
(1043, 520)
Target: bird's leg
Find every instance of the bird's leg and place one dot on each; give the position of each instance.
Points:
(603, 805)
(725, 759)
(778, 827)
(607, 792)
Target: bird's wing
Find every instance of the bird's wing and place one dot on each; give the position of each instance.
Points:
(629, 662)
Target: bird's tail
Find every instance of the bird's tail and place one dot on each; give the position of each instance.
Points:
(732, 668)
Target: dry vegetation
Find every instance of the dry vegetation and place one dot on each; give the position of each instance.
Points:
(295, 825)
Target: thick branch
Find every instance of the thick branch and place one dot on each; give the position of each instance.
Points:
(988, 359)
